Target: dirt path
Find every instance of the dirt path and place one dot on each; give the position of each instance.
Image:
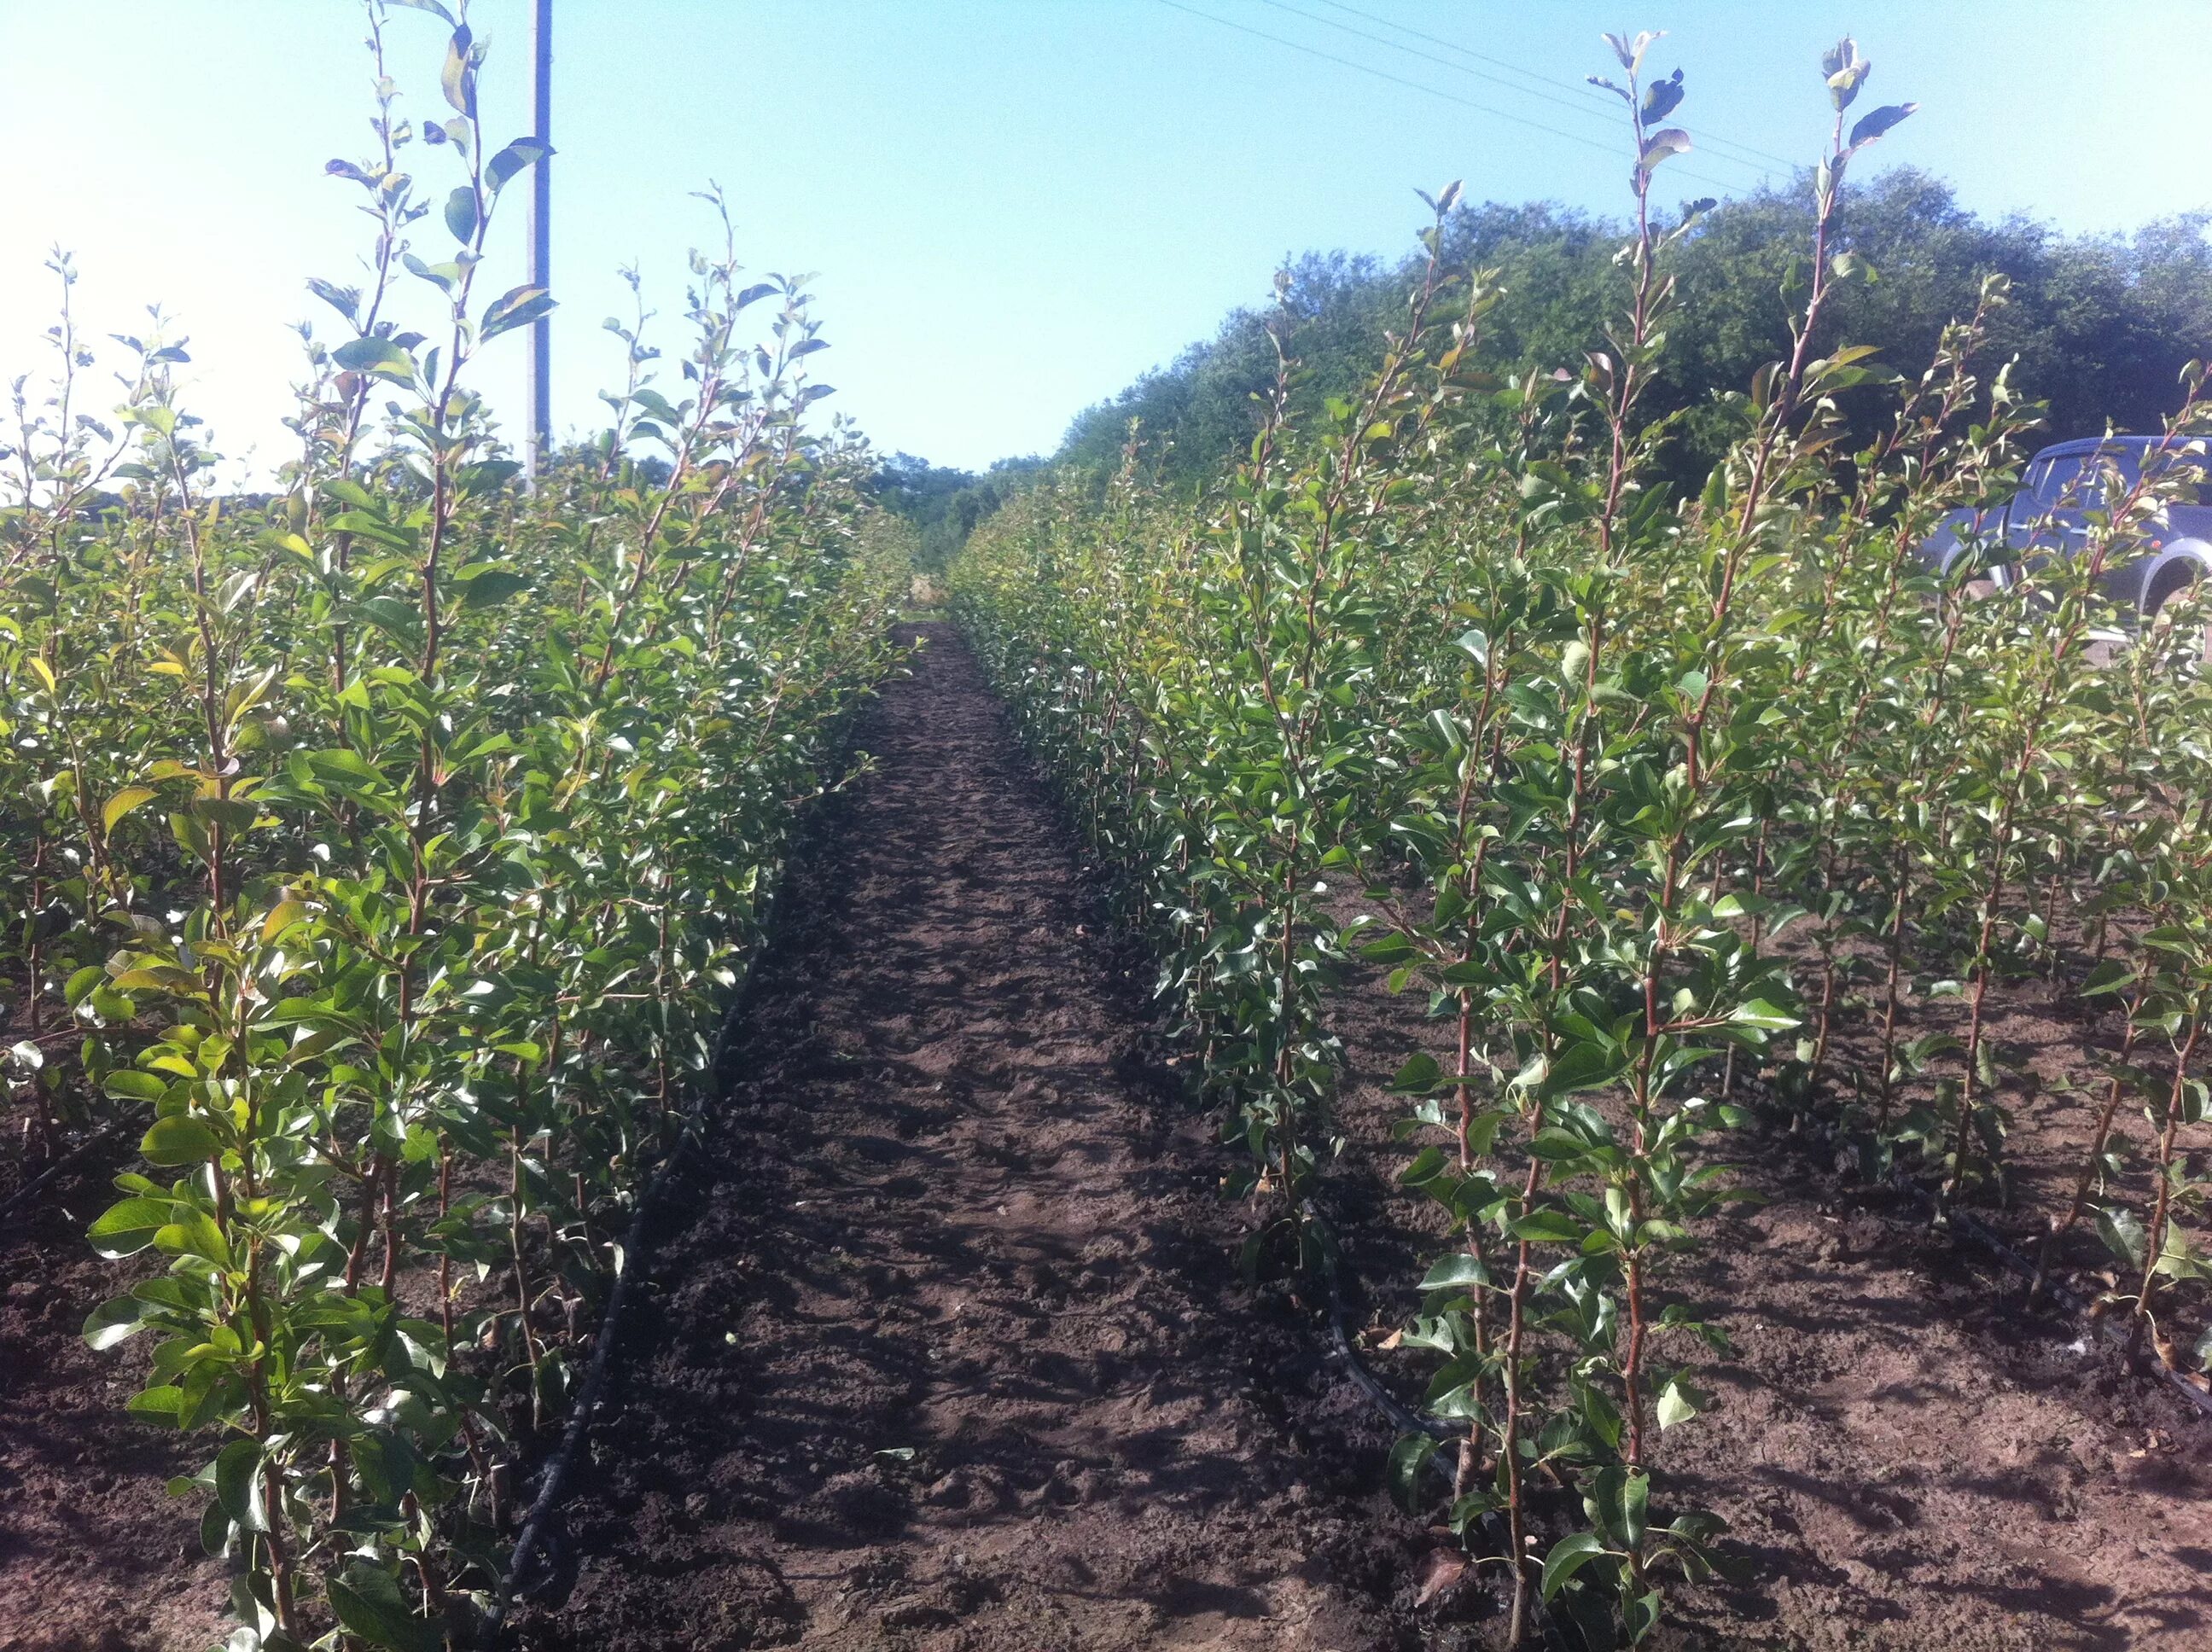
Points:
(946, 1349)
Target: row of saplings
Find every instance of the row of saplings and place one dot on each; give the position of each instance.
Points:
(1664, 804)
(385, 853)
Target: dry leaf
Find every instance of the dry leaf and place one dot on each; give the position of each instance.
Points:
(1445, 1568)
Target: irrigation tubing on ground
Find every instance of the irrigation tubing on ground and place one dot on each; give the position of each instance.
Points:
(1371, 1385)
(536, 1527)
(8, 1206)
(1408, 1421)
(1968, 1226)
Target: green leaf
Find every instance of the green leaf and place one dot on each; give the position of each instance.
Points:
(1546, 1227)
(377, 356)
(516, 308)
(517, 156)
(117, 1320)
(489, 587)
(461, 214)
(180, 1140)
(1410, 1454)
(2122, 1230)
(343, 765)
(2177, 1259)
(232, 814)
(1427, 1165)
(126, 1228)
(193, 1233)
(1584, 1066)
(1418, 1076)
(163, 1402)
(1602, 1416)
(203, 1391)
(1681, 1400)
(1569, 1556)
(1662, 98)
(237, 1475)
(1668, 140)
(483, 479)
(1454, 1272)
(2110, 976)
(1391, 949)
(1760, 1013)
(458, 79)
(1872, 125)
(369, 1603)
(1553, 1144)
(123, 803)
(1640, 1615)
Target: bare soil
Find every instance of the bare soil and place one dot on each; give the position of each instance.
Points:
(941, 1343)
(948, 1348)
(1907, 1456)
(95, 1556)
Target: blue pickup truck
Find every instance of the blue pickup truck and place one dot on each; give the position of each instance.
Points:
(2064, 483)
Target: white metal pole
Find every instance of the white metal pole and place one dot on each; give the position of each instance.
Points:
(540, 385)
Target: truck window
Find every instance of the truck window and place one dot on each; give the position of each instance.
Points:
(2191, 470)
(2056, 485)
(2070, 483)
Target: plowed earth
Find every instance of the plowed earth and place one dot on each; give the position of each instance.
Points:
(1907, 1457)
(941, 1346)
(948, 1348)
(94, 1556)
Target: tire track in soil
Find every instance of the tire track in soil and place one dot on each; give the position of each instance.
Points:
(943, 1346)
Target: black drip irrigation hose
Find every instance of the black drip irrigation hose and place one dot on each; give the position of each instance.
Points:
(1966, 1225)
(22, 1194)
(1407, 1421)
(1371, 1385)
(534, 1548)
(1971, 1227)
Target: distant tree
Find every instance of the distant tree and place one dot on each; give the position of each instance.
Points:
(944, 503)
(1202, 408)
(2100, 326)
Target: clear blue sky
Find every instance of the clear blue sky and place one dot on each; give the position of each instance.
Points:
(1013, 206)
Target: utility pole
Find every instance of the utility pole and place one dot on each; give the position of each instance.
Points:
(540, 381)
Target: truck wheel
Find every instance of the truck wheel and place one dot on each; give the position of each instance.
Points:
(2178, 580)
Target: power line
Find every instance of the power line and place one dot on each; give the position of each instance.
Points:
(1575, 105)
(1714, 142)
(1418, 86)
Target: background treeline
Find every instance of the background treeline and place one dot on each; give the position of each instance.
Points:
(945, 503)
(2100, 326)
